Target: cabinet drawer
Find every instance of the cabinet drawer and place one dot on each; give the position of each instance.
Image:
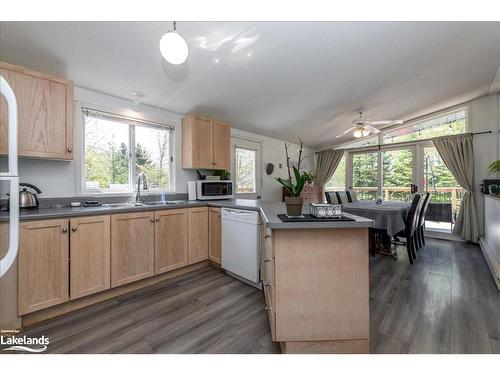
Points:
(271, 315)
(270, 291)
(267, 267)
(267, 239)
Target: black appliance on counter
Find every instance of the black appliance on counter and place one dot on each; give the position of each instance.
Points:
(486, 184)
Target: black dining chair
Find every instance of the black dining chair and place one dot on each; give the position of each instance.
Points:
(331, 197)
(410, 230)
(421, 220)
(343, 197)
(351, 194)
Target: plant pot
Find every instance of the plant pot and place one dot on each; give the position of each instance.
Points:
(294, 206)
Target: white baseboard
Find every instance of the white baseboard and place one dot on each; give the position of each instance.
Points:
(492, 261)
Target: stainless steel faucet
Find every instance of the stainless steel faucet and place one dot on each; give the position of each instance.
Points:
(141, 177)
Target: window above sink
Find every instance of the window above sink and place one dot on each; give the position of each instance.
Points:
(116, 148)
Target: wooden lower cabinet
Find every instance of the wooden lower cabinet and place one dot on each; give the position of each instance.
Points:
(171, 240)
(43, 265)
(132, 247)
(316, 289)
(214, 242)
(198, 234)
(90, 249)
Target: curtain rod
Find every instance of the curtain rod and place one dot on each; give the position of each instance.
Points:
(87, 110)
(407, 142)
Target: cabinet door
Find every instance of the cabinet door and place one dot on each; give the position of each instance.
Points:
(132, 247)
(171, 240)
(43, 265)
(90, 249)
(222, 145)
(203, 152)
(214, 249)
(198, 234)
(45, 109)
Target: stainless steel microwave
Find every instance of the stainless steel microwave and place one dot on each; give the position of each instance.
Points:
(219, 189)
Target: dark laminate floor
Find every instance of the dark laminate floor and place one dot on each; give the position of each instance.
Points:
(445, 303)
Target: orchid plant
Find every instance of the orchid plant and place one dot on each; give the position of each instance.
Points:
(294, 188)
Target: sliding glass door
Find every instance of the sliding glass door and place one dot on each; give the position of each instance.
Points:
(389, 173)
(397, 174)
(365, 175)
(446, 192)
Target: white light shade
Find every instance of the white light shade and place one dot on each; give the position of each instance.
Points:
(173, 48)
(358, 133)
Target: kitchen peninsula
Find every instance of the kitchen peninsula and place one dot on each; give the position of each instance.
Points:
(316, 283)
(314, 274)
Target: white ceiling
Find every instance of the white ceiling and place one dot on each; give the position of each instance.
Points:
(281, 79)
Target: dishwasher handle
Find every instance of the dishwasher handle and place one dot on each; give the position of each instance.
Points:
(245, 216)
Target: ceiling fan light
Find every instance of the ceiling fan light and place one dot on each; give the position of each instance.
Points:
(365, 133)
(174, 48)
(358, 133)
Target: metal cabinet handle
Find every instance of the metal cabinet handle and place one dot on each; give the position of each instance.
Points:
(266, 283)
(73, 229)
(69, 149)
(266, 236)
(152, 220)
(267, 308)
(65, 230)
(157, 219)
(267, 259)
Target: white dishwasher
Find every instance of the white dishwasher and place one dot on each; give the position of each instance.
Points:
(241, 244)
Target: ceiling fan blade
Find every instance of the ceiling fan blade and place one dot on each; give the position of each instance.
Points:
(385, 122)
(347, 131)
(372, 129)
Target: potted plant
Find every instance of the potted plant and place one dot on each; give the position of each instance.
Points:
(295, 201)
(494, 167)
(309, 176)
(223, 174)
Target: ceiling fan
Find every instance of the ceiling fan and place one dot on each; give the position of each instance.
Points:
(363, 127)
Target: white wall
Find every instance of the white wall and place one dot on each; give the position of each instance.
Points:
(484, 116)
(61, 178)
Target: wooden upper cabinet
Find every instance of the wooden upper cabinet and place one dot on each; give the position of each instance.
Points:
(90, 248)
(171, 240)
(45, 113)
(214, 243)
(198, 234)
(132, 247)
(43, 265)
(222, 145)
(205, 143)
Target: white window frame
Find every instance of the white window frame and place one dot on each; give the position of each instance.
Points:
(246, 143)
(417, 146)
(80, 180)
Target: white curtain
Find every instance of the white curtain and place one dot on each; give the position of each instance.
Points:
(457, 153)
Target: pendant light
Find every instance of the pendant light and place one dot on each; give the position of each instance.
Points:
(173, 47)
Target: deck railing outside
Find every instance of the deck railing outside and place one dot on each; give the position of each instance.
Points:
(440, 195)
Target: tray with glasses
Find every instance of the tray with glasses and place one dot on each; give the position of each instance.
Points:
(326, 210)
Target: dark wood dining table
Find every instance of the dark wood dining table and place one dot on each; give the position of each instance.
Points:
(389, 218)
